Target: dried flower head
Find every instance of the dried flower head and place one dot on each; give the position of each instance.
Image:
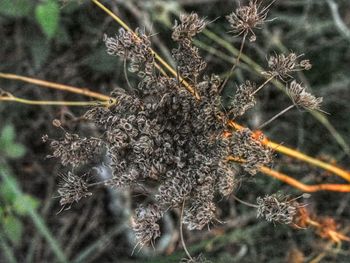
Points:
(277, 208)
(133, 46)
(190, 25)
(72, 188)
(302, 98)
(251, 152)
(243, 99)
(282, 66)
(199, 215)
(75, 151)
(246, 18)
(145, 224)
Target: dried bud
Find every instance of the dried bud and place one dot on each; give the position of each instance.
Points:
(56, 123)
(190, 26)
(243, 99)
(246, 18)
(199, 215)
(277, 208)
(302, 98)
(72, 188)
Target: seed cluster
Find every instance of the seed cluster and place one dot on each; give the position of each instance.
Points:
(159, 138)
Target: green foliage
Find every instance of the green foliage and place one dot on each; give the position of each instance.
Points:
(8, 147)
(15, 8)
(15, 206)
(47, 15)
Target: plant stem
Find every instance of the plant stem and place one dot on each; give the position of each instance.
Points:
(244, 202)
(181, 232)
(276, 116)
(53, 85)
(262, 85)
(235, 64)
(54, 103)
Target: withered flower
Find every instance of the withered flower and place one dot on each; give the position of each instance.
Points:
(199, 215)
(302, 98)
(282, 66)
(72, 188)
(251, 152)
(243, 99)
(277, 208)
(247, 18)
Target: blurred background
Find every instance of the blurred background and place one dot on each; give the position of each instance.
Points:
(62, 41)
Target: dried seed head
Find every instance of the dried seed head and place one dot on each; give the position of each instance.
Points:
(243, 99)
(190, 26)
(145, 224)
(56, 123)
(250, 151)
(277, 208)
(246, 18)
(302, 98)
(133, 46)
(75, 151)
(199, 215)
(72, 188)
(282, 66)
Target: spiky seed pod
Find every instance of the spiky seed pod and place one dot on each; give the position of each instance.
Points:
(75, 151)
(282, 66)
(145, 223)
(251, 152)
(243, 99)
(277, 208)
(302, 98)
(247, 18)
(72, 188)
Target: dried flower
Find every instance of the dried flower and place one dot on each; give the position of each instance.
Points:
(246, 18)
(72, 188)
(277, 208)
(190, 26)
(135, 47)
(302, 98)
(75, 151)
(145, 223)
(282, 66)
(250, 151)
(243, 99)
(199, 215)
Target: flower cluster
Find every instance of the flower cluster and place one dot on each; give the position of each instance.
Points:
(302, 98)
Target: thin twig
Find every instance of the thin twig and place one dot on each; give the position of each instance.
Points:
(276, 116)
(262, 85)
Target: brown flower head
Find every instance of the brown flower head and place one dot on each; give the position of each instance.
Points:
(199, 215)
(302, 98)
(277, 208)
(243, 99)
(250, 151)
(72, 188)
(282, 66)
(246, 18)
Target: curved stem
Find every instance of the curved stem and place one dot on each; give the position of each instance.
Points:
(276, 116)
(244, 202)
(262, 85)
(181, 232)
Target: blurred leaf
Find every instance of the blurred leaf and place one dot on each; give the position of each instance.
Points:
(15, 8)
(6, 190)
(15, 150)
(24, 203)
(47, 15)
(7, 134)
(13, 228)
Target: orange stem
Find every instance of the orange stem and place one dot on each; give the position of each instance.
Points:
(304, 187)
